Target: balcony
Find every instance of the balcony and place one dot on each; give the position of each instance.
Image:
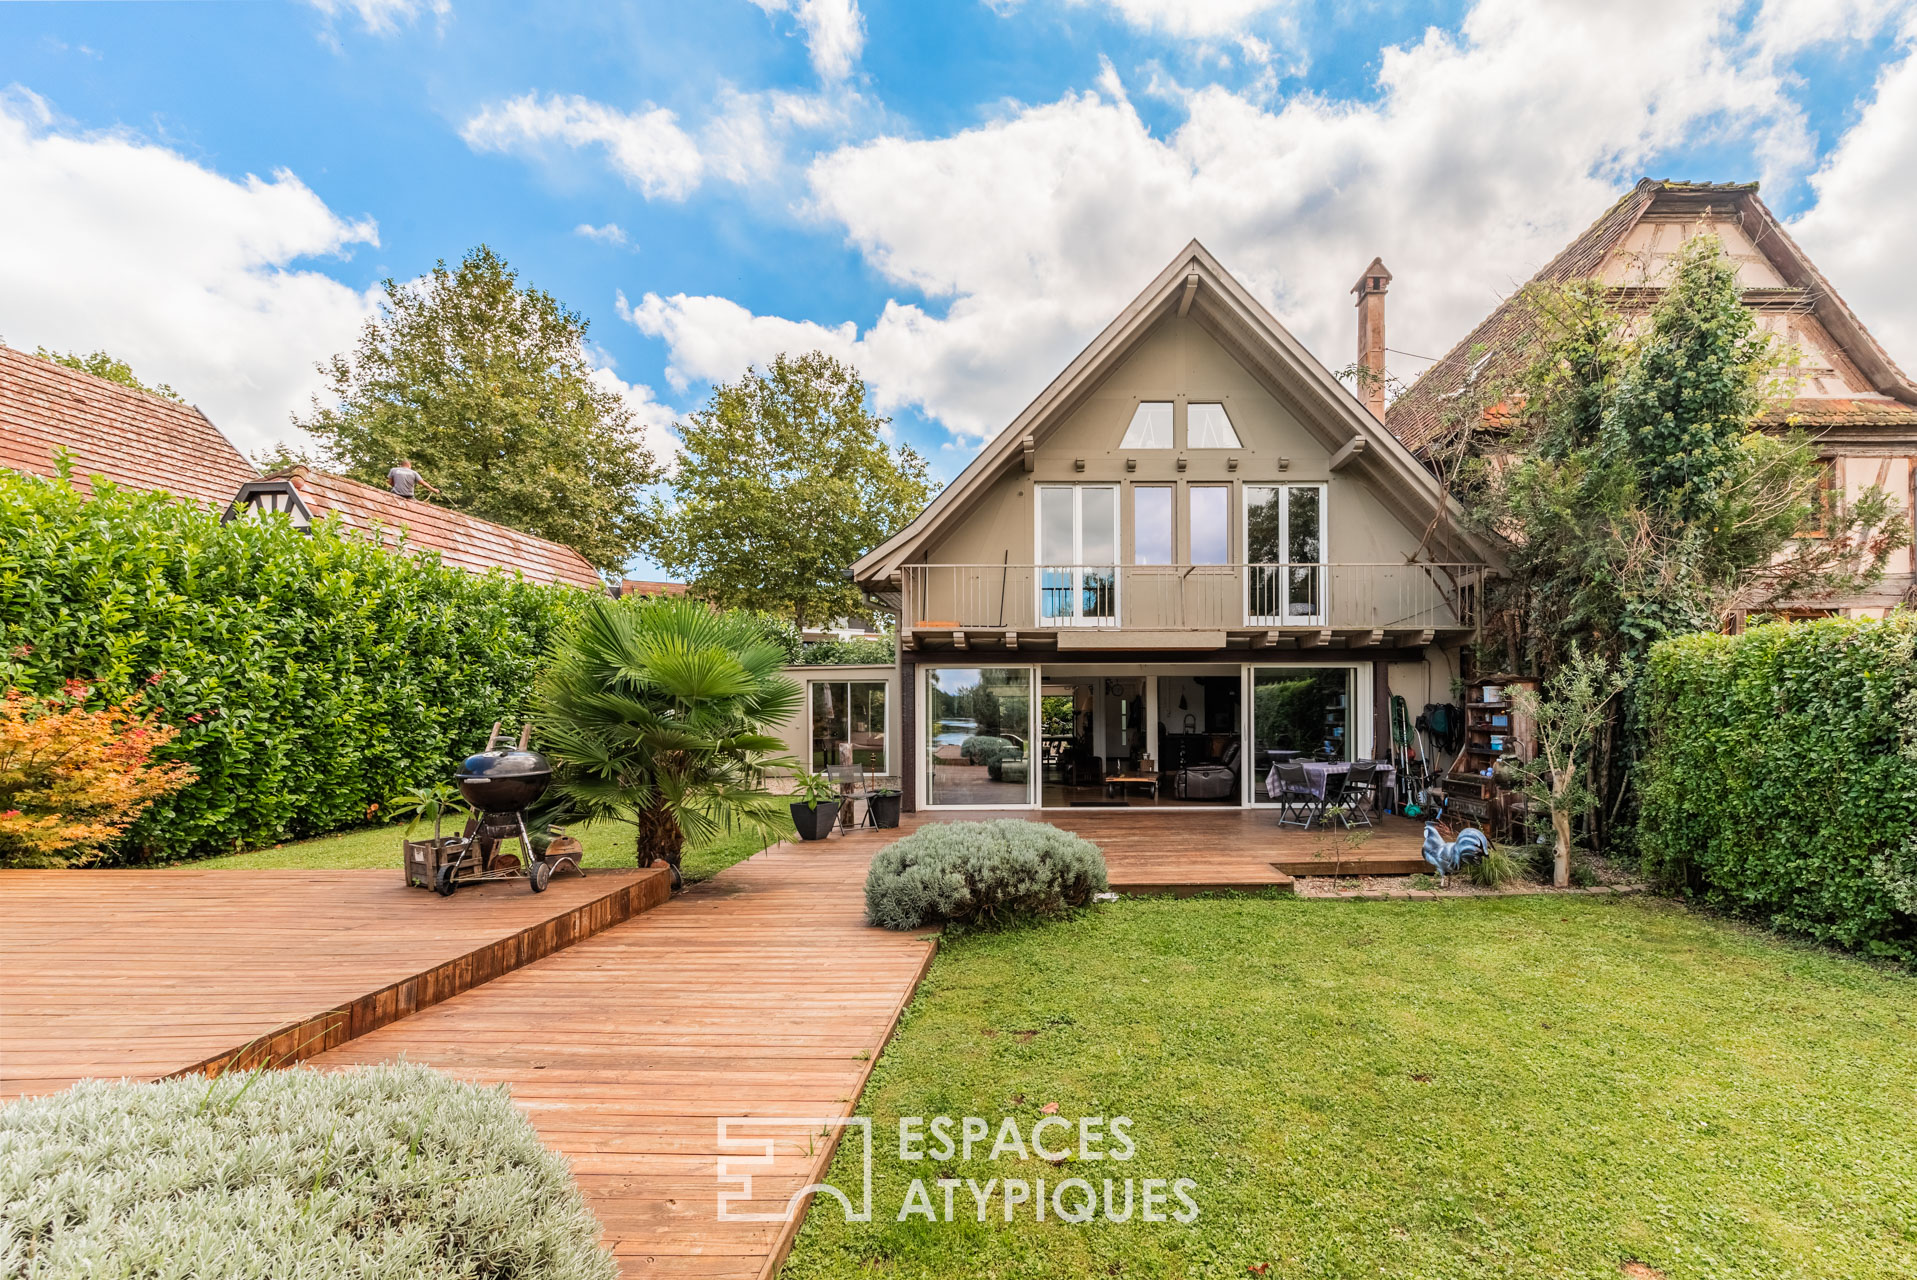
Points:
(1192, 607)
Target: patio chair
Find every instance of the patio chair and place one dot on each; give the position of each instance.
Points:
(1333, 798)
(1294, 794)
(1360, 792)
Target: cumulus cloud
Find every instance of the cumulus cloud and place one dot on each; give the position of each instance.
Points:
(1858, 232)
(1481, 155)
(190, 276)
(654, 419)
(612, 233)
(834, 32)
(383, 17)
(646, 147)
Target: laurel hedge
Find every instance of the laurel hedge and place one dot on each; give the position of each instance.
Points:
(1781, 777)
(311, 676)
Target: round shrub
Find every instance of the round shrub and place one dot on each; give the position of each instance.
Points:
(987, 872)
(392, 1171)
(986, 750)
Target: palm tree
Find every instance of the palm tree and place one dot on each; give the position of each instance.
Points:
(653, 713)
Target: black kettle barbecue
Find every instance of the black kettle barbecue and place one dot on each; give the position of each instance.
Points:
(500, 783)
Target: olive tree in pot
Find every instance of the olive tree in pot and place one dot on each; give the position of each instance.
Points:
(654, 712)
(817, 806)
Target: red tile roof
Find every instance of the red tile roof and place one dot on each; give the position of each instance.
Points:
(461, 540)
(133, 438)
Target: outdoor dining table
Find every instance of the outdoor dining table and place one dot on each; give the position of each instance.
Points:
(1316, 771)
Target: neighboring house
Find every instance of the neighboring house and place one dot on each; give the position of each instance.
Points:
(134, 438)
(1193, 552)
(305, 495)
(637, 587)
(849, 716)
(1858, 407)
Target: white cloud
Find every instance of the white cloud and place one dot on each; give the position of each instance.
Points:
(834, 32)
(1481, 155)
(647, 147)
(383, 17)
(1858, 232)
(121, 245)
(655, 419)
(612, 233)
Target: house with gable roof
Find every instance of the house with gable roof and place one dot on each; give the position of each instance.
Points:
(1195, 553)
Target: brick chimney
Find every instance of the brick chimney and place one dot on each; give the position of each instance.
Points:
(1370, 289)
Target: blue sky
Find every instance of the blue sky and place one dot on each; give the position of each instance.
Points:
(954, 196)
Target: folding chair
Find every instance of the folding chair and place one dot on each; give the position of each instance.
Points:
(1294, 793)
(1360, 792)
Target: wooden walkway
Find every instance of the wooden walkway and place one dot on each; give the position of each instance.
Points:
(1185, 851)
(760, 993)
(154, 973)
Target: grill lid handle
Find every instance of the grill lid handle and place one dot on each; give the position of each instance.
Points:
(525, 735)
(492, 739)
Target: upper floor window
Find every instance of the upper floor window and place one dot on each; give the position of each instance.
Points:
(1208, 427)
(1152, 524)
(1151, 426)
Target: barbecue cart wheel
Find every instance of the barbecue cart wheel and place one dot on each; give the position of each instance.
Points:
(540, 876)
(444, 884)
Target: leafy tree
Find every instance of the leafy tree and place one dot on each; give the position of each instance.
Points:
(655, 713)
(1568, 716)
(487, 388)
(102, 365)
(1626, 472)
(784, 482)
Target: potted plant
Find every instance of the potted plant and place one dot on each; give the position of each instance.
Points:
(423, 858)
(884, 807)
(817, 807)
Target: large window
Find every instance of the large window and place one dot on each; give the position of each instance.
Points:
(1210, 524)
(1207, 427)
(848, 724)
(1078, 554)
(1284, 546)
(1150, 428)
(978, 736)
(1152, 524)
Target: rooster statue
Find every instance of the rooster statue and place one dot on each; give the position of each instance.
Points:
(1448, 857)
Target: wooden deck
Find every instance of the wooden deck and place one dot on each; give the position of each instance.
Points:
(760, 993)
(1187, 851)
(153, 973)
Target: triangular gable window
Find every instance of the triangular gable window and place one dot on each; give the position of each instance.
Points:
(1151, 426)
(1207, 427)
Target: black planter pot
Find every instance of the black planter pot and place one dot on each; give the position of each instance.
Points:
(884, 810)
(815, 824)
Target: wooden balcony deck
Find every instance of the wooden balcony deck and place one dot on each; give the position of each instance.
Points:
(1192, 850)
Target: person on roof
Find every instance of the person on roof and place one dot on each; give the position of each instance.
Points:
(406, 481)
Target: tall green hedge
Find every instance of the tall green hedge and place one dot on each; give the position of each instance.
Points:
(1781, 777)
(311, 676)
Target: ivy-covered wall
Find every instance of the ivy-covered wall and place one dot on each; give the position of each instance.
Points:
(311, 676)
(1781, 777)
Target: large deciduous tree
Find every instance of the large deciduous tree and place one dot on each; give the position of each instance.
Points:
(784, 481)
(487, 387)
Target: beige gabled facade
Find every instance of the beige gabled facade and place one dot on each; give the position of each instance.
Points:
(1196, 519)
(1846, 391)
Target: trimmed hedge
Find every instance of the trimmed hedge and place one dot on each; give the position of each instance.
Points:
(1781, 776)
(310, 676)
(390, 1171)
(988, 872)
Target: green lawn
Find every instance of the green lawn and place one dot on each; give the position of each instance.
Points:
(607, 844)
(1521, 1087)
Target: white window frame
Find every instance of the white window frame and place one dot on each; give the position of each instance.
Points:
(1284, 488)
(1077, 565)
(1171, 427)
(922, 750)
(1237, 441)
(1359, 726)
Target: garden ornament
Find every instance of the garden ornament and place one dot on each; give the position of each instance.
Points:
(1447, 858)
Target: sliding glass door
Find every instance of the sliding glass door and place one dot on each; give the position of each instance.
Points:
(1284, 553)
(1078, 555)
(979, 737)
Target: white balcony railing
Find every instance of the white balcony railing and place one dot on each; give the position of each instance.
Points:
(1207, 597)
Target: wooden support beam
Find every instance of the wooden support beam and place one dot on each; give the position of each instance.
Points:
(1029, 448)
(1367, 639)
(1316, 639)
(1191, 291)
(910, 640)
(959, 641)
(1348, 453)
(1011, 639)
(1264, 639)
(1424, 637)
